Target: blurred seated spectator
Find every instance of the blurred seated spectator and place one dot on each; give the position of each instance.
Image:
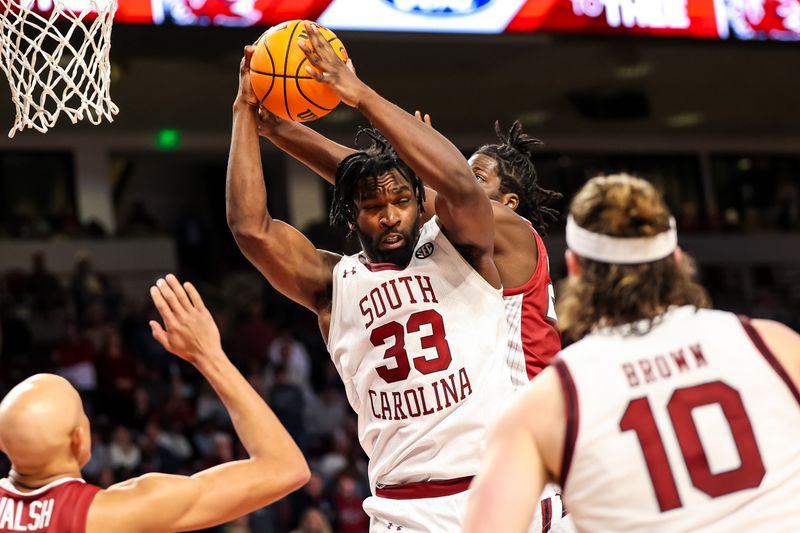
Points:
(288, 402)
(178, 408)
(87, 285)
(44, 287)
(253, 335)
(170, 436)
(118, 376)
(100, 458)
(74, 358)
(209, 407)
(288, 352)
(336, 458)
(125, 453)
(312, 495)
(314, 521)
(156, 457)
(347, 502)
(327, 412)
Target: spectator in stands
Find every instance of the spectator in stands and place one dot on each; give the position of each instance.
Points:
(117, 375)
(74, 357)
(288, 403)
(350, 515)
(327, 412)
(314, 521)
(101, 457)
(311, 496)
(44, 287)
(253, 335)
(288, 352)
(125, 453)
(86, 285)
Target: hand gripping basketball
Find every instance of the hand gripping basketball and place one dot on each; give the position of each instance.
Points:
(246, 94)
(327, 68)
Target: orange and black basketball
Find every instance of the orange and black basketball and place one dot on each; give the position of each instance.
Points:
(279, 78)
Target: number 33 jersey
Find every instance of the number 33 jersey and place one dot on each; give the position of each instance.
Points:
(693, 426)
(419, 350)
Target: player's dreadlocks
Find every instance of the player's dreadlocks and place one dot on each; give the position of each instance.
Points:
(378, 159)
(514, 156)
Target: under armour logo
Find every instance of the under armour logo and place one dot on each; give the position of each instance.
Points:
(307, 115)
(396, 528)
(352, 271)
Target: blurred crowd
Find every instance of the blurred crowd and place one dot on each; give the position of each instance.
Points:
(152, 412)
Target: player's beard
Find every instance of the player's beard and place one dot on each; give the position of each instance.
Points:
(399, 256)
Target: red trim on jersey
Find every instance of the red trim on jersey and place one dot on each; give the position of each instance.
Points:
(537, 272)
(768, 355)
(379, 267)
(424, 489)
(541, 340)
(572, 417)
(547, 514)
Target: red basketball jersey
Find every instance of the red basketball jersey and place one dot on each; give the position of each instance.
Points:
(533, 338)
(58, 507)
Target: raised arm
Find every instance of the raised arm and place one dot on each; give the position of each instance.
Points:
(314, 150)
(159, 502)
(522, 454)
(461, 205)
(283, 255)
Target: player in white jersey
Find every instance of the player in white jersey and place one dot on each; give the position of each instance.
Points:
(414, 322)
(506, 173)
(664, 416)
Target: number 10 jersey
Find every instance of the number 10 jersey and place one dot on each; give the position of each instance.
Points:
(693, 426)
(420, 352)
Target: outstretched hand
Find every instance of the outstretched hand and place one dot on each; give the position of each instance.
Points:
(246, 94)
(326, 67)
(189, 330)
(268, 122)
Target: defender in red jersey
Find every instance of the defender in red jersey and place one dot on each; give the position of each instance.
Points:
(664, 415)
(46, 435)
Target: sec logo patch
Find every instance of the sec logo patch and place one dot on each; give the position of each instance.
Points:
(424, 251)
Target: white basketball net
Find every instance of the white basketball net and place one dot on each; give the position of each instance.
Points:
(57, 64)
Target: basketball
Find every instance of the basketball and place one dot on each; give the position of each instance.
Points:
(279, 78)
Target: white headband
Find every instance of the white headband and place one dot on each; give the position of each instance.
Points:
(621, 250)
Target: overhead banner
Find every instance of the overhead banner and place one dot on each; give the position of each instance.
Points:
(709, 19)
(704, 19)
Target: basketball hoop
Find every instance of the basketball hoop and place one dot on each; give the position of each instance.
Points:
(57, 63)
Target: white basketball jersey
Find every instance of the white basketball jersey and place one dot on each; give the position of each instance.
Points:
(693, 426)
(418, 350)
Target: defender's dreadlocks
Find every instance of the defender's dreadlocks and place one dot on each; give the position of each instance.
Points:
(514, 156)
(378, 159)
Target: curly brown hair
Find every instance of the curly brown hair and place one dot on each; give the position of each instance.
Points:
(612, 295)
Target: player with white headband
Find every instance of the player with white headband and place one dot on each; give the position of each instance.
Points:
(665, 415)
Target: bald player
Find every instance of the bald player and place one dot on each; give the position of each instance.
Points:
(45, 433)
